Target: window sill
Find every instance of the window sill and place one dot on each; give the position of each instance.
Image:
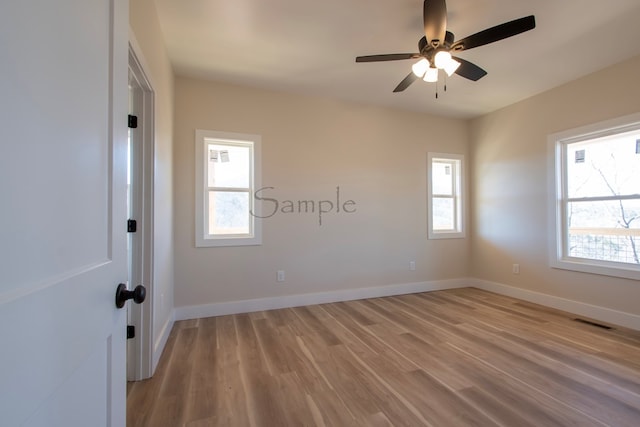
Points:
(436, 235)
(228, 242)
(602, 268)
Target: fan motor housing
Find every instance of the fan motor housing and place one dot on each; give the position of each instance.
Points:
(425, 48)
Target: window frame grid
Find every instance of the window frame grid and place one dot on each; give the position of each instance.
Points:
(203, 191)
(456, 161)
(559, 242)
(208, 189)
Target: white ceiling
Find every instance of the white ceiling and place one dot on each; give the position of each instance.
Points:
(309, 47)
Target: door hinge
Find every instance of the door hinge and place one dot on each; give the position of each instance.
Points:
(131, 332)
(132, 226)
(133, 121)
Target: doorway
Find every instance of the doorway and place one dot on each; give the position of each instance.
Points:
(140, 214)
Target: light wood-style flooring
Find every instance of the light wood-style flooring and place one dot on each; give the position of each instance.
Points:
(462, 357)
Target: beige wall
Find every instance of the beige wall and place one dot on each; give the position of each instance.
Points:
(146, 31)
(510, 190)
(310, 146)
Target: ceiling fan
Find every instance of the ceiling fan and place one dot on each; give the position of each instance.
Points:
(436, 46)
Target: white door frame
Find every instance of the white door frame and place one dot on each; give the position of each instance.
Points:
(140, 352)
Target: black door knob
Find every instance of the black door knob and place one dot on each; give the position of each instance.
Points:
(123, 294)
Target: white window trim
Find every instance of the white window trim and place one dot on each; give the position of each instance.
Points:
(461, 199)
(202, 238)
(556, 217)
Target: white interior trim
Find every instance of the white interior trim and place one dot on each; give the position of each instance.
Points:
(142, 316)
(603, 314)
(556, 192)
(272, 303)
(161, 342)
(202, 237)
(135, 46)
(460, 191)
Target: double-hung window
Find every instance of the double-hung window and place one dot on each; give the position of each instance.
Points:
(595, 209)
(445, 196)
(227, 173)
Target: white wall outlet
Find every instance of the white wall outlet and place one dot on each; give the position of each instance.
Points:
(412, 265)
(516, 269)
(280, 276)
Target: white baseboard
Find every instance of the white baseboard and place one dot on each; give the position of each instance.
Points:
(161, 341)
(603, 314)
(272, 303)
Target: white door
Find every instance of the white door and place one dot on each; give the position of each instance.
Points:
(63, 110)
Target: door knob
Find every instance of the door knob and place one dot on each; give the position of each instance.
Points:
(138, 294)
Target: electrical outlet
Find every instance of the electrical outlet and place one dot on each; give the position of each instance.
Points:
(516, 269)
(280, 276)
(412, 265)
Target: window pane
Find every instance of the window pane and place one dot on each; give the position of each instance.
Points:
(605, 230)
(443, 214)
(604, 167)
(228, 166)
(228, 213)
(442, 178)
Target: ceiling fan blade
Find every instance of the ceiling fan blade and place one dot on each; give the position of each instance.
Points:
(406, 82)
(387, 57)
(469, 70)
(435, 20)
(493, 34)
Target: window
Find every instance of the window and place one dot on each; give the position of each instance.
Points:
(227, 174)
(445, 191)
(595, 208)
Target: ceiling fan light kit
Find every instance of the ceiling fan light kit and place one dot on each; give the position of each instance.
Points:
(451, 67)
(442, 58)
(437, 44)
(431, 75)
(420, 67)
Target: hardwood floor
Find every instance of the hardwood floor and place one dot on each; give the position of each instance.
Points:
(462, 357)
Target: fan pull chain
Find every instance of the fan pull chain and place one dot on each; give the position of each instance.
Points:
(436, 89)
(445, 81)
